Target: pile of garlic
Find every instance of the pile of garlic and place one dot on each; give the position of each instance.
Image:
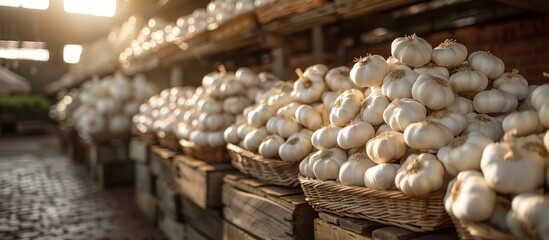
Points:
(428, 115)
(162, 112)
(222, 96)
(281, 124)
(107, 105)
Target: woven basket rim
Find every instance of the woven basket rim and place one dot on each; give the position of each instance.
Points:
(364, 191)
(257, 157)
(207, 154)
(390, 207)
(190, 144)
(481, 230)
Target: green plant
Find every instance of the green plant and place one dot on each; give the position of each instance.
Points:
(22, 105)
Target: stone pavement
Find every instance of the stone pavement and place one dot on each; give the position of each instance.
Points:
(45, 195)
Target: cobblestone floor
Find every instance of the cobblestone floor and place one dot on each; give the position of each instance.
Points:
(45, 195)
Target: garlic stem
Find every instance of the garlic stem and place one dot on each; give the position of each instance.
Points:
(222, 68)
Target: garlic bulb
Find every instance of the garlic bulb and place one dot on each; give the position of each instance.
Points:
(369, 71)
(449, 53)
(487, 63)
(412, 50)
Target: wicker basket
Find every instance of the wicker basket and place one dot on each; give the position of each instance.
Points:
(479, 231)
(206, 154)
(284, 8)
(386, 207)
(168, 141)
(275, 171)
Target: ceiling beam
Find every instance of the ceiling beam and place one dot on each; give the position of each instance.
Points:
(533, 5)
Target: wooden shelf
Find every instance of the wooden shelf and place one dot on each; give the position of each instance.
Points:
(316, 17)
(212, 48)
(274, 35)
(141, 66)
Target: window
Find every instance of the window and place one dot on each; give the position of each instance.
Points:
(31, 4)
(104, 8)
(24, 50)
(71, 53)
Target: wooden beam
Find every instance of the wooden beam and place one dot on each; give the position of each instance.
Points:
(532, 5)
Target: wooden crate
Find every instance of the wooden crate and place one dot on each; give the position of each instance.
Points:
(172, 229)
(146, 202)
(160, 162)
(265, 210)
(169, 200)
(138, 151)
(81, 148)
(232, 232)
(244, 24)
(199, 181)
(207, 222)
(109, 151)
(114, 173)
(332, 227)
(144, 180)
(193, 234)
(65, 131)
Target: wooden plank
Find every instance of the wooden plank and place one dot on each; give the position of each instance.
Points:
(115, 173)
(163, 152)
(279, 191)
(172, 229)
(267, 217)
(248, 184)
(141, 66)
(194, 234)
(533, 5)
(169, 200)
(242, 24)
(446, 235)
(81, 148)
(207, 221)
(144, 180)
(160, 160)
(199, 181)
(290, 202)
(234, 176)
(146, 204)
(211, 48)
(138, 150)
(329, 218)
(287, 197)
(394, 233)
(315, 17)
(355, 8)
(110, 151)
(232, 232)
(326, 231)
(294, 199)
(352, 228)
(360, 226)
(256, 215)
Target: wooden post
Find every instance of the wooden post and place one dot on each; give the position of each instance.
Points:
(176, 76)
(281, 61)
(341, 53)
(318, 44)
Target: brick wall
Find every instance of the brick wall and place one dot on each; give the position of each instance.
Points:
(521, 44)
